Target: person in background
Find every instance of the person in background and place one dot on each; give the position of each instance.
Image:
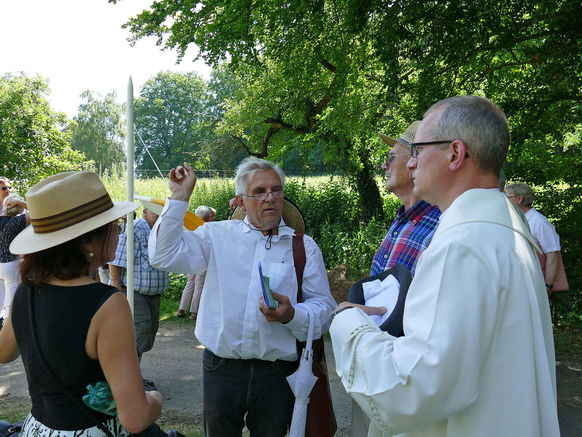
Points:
(522, 196)
(5, 187)
(477, 355)
(82, 328)
(416, 220)
(149, 282)
(193, 288)
(12, 222)
(250, 348)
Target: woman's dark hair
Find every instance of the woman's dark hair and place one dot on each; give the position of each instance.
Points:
(65, 261)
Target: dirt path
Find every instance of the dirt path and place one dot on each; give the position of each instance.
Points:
(175, 365)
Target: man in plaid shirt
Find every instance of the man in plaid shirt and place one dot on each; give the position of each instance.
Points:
(416, 220)
(149, 282)
(410, 232)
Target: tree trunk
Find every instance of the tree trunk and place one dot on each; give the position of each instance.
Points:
(365, 182)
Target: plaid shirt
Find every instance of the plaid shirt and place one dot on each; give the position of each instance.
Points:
(147, 279)
(409, 234)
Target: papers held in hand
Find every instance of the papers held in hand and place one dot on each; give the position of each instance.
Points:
(267, 296)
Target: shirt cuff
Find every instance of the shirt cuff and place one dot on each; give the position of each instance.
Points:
(175, 209)
(344, 323)
(299, 321)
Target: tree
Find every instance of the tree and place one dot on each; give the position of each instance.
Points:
(33, 138)
(98, 130)
(337, 73)
(170, 121)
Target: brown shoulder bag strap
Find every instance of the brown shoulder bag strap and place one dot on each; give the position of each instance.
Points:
(299, 260)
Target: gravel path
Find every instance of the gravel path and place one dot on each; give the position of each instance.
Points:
(175, 365)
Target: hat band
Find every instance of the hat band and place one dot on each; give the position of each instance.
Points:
(403, 142)
(71, 217)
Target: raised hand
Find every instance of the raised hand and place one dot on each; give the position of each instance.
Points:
(182, 182)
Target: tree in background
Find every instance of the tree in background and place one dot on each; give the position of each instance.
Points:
(33, 139)
(334, 74)
(98, 130)
(170, 121)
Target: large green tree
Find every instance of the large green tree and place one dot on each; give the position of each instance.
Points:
(33, 138)
(335, 73)
(98, 130)
(170, 121)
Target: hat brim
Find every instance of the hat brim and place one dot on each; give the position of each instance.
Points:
(291, 215)
(388, 140)
(30, 242)
(151, 206)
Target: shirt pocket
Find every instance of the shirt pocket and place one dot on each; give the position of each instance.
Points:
(282, 279)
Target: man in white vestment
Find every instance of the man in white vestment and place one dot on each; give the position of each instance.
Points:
(477, 355)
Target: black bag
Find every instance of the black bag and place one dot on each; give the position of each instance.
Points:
(8, 429)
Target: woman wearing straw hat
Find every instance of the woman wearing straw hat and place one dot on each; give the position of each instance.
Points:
(70, 329)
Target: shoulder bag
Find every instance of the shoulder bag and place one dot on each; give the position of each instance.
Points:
(321, 420)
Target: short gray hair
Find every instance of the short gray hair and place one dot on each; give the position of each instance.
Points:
(14, 210)
(204, 212)
(247, 168)
(480, 124)
(522, 190)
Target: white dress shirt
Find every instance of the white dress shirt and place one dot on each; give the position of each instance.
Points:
(543, 231)
(477, 355)
(229, 321)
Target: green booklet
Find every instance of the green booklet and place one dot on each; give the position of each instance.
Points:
(267, 295)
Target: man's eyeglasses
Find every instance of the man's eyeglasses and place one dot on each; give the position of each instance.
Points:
(277, 194)
(5, 188)
(390, 158)
(414, 146)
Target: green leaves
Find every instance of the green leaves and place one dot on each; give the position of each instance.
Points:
(33, 138)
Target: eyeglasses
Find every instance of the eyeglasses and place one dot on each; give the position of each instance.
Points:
(414, 146)
(277, 194)
(120, 223)
(5, 188)
(390, 158)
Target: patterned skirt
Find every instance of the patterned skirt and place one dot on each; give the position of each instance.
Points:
(33, 428)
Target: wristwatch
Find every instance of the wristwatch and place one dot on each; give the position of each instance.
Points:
(549, 286)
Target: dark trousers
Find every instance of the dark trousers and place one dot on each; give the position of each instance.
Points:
(257, 388)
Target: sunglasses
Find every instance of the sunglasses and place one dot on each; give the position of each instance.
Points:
(5, 188)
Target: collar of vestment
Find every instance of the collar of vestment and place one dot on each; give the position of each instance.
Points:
(482, 205)
(414, 213)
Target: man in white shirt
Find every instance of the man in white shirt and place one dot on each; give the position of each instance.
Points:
(477, 355)
(250, 348)
(543, 231)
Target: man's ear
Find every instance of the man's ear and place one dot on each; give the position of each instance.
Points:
(240, 203)
(458, 155)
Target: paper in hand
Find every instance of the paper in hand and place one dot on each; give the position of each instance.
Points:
(267, 296)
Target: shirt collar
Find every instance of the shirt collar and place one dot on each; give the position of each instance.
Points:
(415, 213)
(283, 229)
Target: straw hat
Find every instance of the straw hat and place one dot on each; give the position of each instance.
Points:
(291, 215)
(405, 139)
(65, 206)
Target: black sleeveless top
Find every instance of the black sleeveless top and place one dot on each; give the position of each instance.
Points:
(63, 315)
